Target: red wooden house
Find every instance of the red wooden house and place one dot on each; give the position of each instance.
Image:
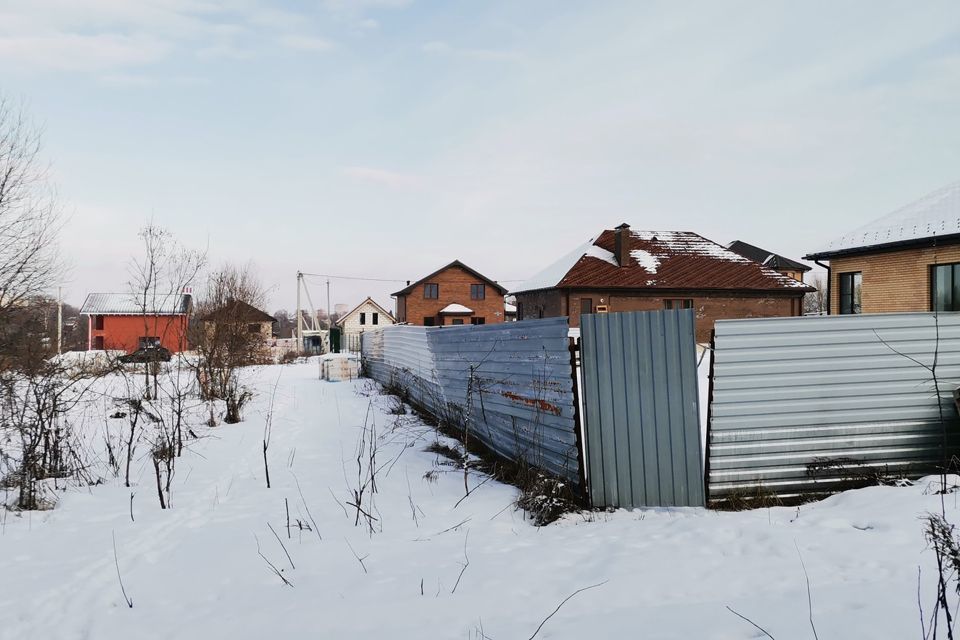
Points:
(126, 322)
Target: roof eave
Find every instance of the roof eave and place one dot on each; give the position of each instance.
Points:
(886, 246)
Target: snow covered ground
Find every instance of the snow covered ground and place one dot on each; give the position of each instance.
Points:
(438, 565)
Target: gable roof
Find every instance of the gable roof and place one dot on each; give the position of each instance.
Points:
(455, 264)
(935, 215)
(237, 311)
(342, 318)
(767, 258)
(660, 260)
(129, 304)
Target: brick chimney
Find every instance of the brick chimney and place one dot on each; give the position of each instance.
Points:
(621, 241)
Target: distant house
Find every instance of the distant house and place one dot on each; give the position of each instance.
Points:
(239, 312)
(627, 270)
(454, 294)
(366, 315)
(908, 260)
(786, 266)
(126, 322)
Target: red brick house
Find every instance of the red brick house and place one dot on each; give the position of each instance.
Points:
(626, 270)
(121, 321)
(454, 294)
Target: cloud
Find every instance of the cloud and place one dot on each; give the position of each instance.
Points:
(385, 177)
(75, 52)
(306, 43)
(488, 55)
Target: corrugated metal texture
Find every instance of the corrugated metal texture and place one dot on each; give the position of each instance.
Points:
(516, 381)
(811, 405)
(126, 304)
(642, 409)
(513, 380)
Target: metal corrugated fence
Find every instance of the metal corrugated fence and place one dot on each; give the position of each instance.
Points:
(510, 383)
(811, 405)
(642, 409)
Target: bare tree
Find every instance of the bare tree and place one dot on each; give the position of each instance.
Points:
(30, 219)
(227, 336)
(815, 302)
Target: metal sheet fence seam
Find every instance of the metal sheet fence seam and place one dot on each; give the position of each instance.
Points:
(812, 405)
(510, 384)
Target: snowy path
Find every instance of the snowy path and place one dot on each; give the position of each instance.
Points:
(194, 572)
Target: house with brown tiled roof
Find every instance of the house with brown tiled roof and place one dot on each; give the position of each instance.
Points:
(627, 270)
(452, 295)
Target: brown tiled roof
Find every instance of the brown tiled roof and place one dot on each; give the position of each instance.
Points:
(664, 260)
(238, 311)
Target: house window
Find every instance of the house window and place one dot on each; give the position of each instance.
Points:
(586, 305)
(945, 287)
(477, 321)
(431, 291)
(428, 321)
(478, 291)
(457, 321)
(376, 318)
(253, 328)
(363, 318)
(519, 311)
(850, 287)
(98, 323)
(98, 343)
(678, 303)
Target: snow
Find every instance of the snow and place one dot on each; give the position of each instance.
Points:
(935, 214)
(553, 274)
(647, 260)
(193, 571)
(593, 251)
(456, 308)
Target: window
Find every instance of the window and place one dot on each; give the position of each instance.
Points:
(945, 287)
(428, 321)
(478, 291)
(431, 291)
(253, 328)
(363, 318)
(586, 305)
(678, 303)
(98, 323)
(98, 343)
(519, 311)
(850, 286)
(457, 321)
(478, 321)
(376, 318)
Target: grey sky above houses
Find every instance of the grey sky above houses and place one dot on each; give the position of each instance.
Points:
(385, 138)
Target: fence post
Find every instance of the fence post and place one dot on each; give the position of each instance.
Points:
(579, 424)
(706, 444)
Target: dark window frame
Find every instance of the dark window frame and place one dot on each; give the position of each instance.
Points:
(429, 321)
(431, 287)
(850, 298)
(253, 327)
(456, 322)
(476, 320)
(954, 302)
(685, 303)
(363, 317)
(586, 305)
(478, 292)
(375, 318)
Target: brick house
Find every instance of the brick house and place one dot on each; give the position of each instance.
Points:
(366, 315)
(454, 294)
(121, 321)
(908, 260)
(626, 270)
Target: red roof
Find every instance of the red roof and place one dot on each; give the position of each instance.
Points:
(662, 260)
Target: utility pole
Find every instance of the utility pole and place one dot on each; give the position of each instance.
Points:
(299, 316)
(59, 320)
(329, 308)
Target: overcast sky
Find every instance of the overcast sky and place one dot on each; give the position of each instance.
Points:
(385, 138)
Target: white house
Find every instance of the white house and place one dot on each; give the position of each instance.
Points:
(365, 316)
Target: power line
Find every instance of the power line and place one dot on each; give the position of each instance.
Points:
(324, 275)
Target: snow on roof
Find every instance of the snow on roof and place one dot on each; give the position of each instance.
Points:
(130, 304)
(509, 308)
(662, 259)
(456, 308)
(935, 214)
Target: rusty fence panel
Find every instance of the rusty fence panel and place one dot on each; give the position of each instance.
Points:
(817, 404)
(509, 385)
(641, 409)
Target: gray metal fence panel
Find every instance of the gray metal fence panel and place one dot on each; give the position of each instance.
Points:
(808, 405)
(510, 384)
(642, 409)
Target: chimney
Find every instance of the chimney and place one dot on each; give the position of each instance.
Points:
(621, 242)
